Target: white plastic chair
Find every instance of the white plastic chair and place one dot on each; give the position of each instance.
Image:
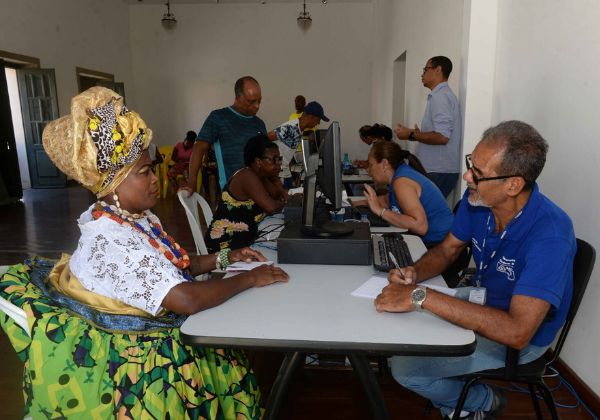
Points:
(190, 204)
(13, 311)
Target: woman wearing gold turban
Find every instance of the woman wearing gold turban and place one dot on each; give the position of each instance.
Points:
(130, 286)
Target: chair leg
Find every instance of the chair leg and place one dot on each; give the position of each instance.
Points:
(548, 399)
(534, 399)
(463, 396)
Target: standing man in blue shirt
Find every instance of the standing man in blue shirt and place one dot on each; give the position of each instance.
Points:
(523, 247)
(441, 128)
(228, 129)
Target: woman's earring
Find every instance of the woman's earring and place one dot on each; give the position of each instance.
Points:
(117, 203)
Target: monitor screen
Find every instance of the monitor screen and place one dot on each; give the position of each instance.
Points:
(324, 170)
(329, 172)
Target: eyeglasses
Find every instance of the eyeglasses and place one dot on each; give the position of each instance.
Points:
(427, 68)
(274, 159)
(476, 180)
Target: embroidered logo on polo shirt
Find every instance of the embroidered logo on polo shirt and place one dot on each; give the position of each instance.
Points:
(506, 266)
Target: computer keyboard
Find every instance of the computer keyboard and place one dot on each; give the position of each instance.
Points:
(374, 220)
(386, 243)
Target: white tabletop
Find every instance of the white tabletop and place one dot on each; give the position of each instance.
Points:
(315, 311)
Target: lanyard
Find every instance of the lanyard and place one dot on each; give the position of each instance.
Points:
(483, 267)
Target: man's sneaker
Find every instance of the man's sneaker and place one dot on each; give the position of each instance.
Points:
(498, 403)
(496, 410)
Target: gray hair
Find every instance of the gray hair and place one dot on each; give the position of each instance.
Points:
(524, 151)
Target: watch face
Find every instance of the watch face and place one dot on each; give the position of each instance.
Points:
(418, 295)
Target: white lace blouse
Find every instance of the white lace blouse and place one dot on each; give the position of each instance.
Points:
(117, 261)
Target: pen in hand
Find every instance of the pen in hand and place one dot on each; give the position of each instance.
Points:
(395, 262)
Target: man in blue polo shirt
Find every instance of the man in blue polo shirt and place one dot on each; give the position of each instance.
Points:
(523, 246)
(228, 129)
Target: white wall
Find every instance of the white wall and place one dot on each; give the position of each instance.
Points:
(65, 34)
(423, 29)
(548, 54)
(542, 72)
(180, 76)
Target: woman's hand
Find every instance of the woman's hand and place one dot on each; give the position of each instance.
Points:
(372, 200)
(268, 274)
(246, 255)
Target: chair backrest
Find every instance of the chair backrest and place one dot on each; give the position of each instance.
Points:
(190, 204)
(583, 264)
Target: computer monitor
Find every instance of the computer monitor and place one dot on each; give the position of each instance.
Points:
(324, 170)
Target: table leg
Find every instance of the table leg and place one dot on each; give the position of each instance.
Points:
(288, 367)
(361, 367)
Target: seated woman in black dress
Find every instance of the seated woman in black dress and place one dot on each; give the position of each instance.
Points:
(251, 193)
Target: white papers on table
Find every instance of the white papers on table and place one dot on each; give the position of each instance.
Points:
(247, 266)
(373, 287)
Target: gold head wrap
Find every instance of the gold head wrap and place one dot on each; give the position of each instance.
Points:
(99, 142)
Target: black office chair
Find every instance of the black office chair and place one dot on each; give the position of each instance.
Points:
(459, 269)
(532, 373)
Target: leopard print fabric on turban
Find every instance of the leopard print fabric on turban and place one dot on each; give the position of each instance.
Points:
(113, 152)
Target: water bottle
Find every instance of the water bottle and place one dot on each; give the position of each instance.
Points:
(364, 217)
(346, 164)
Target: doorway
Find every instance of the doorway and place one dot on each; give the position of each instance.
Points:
(399, 90)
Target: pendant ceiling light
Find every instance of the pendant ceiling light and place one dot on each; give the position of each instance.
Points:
(168, 20)
(304, 18)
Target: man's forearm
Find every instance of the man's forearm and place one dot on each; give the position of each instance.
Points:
(433, 263)
(196, 159)
(495, 324)
(430, 137)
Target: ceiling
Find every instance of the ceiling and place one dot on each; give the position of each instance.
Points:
(142, 2)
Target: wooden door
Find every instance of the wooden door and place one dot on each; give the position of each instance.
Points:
(39, 105)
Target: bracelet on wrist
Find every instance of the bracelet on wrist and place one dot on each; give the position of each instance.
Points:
(382, 211)
(223, 259)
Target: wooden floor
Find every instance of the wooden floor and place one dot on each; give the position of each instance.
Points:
(45, 224)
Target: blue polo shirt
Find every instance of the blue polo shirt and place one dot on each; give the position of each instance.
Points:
(229, 131)
(439, 216)
(535, 258)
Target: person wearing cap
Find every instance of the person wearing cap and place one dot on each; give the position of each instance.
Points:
(288, 135)
(105, 321)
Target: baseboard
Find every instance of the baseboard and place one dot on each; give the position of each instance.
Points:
(589, 397)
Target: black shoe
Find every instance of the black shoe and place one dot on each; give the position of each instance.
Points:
(496, 410)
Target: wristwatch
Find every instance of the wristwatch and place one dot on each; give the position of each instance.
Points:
(411, 136)
(418, 296)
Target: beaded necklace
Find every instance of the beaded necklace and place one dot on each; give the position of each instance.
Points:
(167, 246)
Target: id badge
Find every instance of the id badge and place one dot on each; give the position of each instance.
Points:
(478, 295)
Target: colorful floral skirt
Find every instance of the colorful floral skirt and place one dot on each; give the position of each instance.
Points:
(73, 369)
